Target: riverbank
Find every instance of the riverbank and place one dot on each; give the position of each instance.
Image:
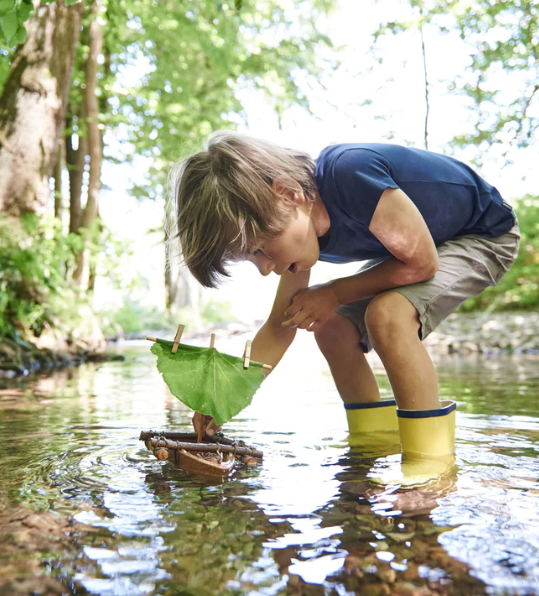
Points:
(487, 334)
(20, 358)
(481, 333)
(460, 333)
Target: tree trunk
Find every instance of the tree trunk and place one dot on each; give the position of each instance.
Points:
(32, 107)
(95, 144)
(58, 198)
(75, 161)
(170, 282)
(170, 289)
(92, 269)
(425, 74)
(181, 290)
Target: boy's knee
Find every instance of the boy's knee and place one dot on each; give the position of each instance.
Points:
(330, 336)
(388, 317)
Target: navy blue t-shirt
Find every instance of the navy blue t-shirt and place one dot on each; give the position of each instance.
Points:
(451, 197)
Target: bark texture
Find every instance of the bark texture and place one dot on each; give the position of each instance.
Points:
(58, 198)
(93, 132)
(75, 160)
(181, 290)
(32, 107)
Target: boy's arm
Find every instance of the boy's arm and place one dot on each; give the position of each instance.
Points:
(272, 340)
(400, 227)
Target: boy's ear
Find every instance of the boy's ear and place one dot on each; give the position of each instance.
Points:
(282, 187)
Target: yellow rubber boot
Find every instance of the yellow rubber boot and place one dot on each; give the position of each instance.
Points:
(373, 425)
(372, 417)
(428, 445)
(427, 433)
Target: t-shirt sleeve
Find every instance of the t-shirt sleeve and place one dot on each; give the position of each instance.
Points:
(361, 177)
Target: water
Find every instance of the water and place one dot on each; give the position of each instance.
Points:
(305, 521)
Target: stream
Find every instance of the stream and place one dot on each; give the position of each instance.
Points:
(85, 508)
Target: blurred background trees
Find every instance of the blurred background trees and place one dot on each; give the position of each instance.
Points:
(501, 86)
(147, 77)
(503, 41)
(87, 87)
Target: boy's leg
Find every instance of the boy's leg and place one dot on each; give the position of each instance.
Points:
(338, 339)
(393, 325)
(395, 322)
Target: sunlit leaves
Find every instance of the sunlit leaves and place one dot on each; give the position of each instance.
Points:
(33, 255)
(12, 16)
(519, 289)
(501, 81)
(193, 61)
(6, 6)
(10, 24)
(206, 380)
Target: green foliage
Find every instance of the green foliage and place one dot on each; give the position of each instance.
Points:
(135, 318)
(501, 81)
(504, 70)
(193, 61)
(13, 14)
(36, 263)
(207, 381)
(519, 288)
(34, 254)
(215, 311)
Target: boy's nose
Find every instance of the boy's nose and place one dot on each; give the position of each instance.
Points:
(266, 269)
(264, 265)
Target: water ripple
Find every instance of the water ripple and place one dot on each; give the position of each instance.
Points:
(307, 514)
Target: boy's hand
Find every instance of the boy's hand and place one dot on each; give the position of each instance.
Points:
(312, 307)
(205, 424)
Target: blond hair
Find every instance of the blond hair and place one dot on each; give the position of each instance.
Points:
(224, 202)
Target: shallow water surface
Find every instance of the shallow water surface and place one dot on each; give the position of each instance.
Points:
(305, 521)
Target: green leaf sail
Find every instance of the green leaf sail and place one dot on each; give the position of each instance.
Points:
(206, 380)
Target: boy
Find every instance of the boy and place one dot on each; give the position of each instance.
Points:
(438, 233)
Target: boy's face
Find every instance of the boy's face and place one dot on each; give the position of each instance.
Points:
(296, 248)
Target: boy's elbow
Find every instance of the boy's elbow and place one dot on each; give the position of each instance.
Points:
(428, 269)
(422, 269)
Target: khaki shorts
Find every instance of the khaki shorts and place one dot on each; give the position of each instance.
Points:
(467, 265)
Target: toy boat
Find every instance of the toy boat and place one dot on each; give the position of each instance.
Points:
(214, 457)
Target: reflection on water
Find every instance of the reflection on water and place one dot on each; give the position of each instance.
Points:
(306, 521)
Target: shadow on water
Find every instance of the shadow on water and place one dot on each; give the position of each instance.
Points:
(86, 509)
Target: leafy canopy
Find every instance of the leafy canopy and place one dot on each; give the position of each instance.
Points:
(192, 61)
(501, 81)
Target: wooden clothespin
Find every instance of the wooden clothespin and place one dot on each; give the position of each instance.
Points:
(177, 338)
(247, 357)
(212, 340)
(247, 354)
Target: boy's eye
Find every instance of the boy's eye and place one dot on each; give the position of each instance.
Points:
(261, 251)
